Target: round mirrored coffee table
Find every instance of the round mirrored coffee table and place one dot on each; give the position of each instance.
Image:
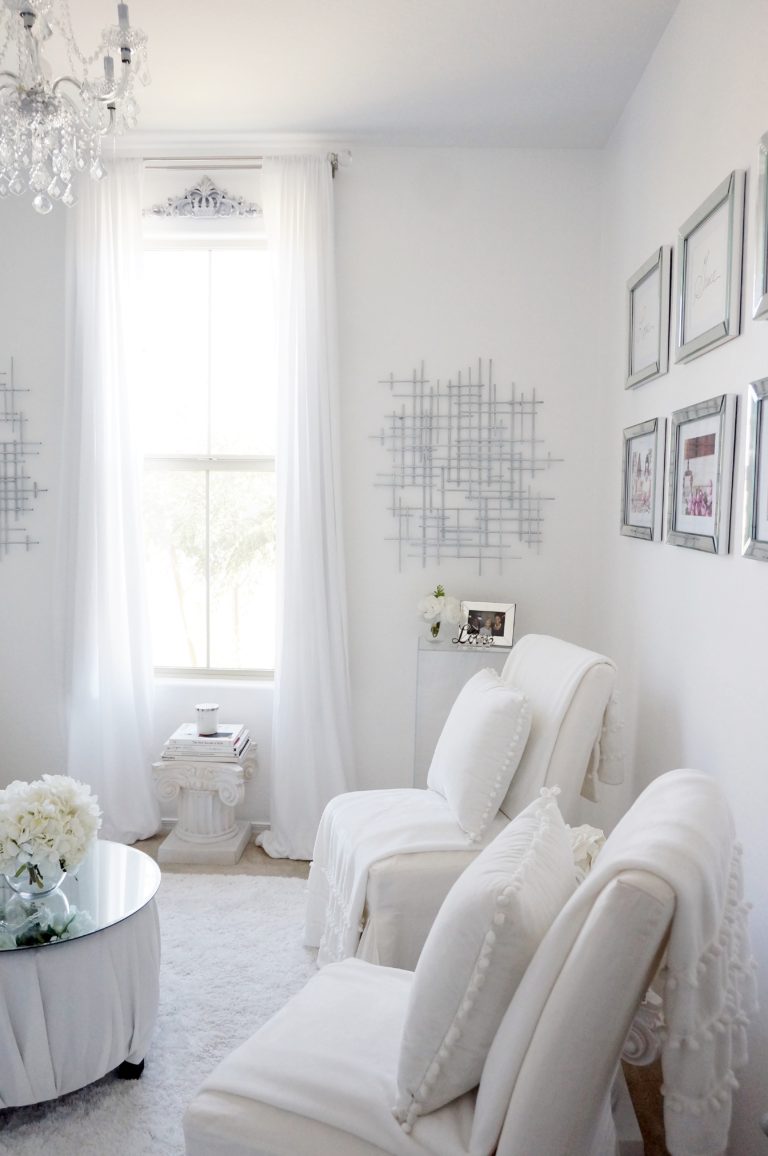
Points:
(76, 1008)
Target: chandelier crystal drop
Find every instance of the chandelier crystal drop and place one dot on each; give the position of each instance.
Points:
(51, 129)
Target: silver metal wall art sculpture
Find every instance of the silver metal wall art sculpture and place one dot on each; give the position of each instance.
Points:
(464, 464)
(18, 492)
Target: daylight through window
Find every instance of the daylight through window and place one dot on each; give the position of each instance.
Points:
(208, 430)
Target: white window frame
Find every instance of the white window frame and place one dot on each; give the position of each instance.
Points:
(207, 464)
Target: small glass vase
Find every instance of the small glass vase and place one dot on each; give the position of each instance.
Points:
(433, 631)
(36, 880)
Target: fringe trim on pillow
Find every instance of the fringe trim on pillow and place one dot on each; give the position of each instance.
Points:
(407, 1113)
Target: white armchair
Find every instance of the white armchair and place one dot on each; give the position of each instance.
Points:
(385, 860)
(321, 1078)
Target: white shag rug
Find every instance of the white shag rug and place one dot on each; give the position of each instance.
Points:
(232, 955)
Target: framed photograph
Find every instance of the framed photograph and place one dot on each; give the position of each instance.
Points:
(701, 475)
(642, 479)
(492, 620)
(648, 306)
(709, 271)
(760, 294)
(756, 488)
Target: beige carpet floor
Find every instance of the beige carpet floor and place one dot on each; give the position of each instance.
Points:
(644, 1083)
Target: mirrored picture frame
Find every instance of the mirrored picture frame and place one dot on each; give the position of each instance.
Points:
(648, 301)
(699, 486)
(760, 289)
(709, 271)
(755, 540)
(642, 479)
(493, 622)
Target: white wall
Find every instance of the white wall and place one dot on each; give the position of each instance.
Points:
(32, 331)
(448, 256)
(690, 631)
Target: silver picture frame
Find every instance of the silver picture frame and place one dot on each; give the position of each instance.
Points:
(760, 290)
(648, 301)
(709, 270)
(755, 540)
(700, 482)
(494, 621)
(642, 479)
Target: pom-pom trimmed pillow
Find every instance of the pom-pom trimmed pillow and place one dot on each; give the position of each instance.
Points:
(485, 935)
(479, 750)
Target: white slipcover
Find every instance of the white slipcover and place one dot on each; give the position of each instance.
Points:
(385, 860)
(319, 1078)
(70, 1012)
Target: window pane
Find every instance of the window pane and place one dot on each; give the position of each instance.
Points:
(243, 387)
(174, 513)
(242, 537)
(175, 378)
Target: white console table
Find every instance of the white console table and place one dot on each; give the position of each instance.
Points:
(442, 668)
(207, 792)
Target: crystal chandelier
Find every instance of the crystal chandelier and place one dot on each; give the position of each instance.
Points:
(51, 129)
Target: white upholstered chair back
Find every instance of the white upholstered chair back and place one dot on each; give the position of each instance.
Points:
(568, 689)
(546, 1085)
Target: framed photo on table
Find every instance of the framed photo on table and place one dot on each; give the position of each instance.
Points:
(648, 319)
(491, 620)
(701, 475)
(709, 259)
(756, 489)
(642, 479)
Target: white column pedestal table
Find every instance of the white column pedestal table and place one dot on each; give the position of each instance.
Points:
(208, 793)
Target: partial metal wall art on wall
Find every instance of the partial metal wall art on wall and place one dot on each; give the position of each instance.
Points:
(18, 492)
(465, 465)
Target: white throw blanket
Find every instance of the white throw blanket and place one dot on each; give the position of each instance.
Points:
(681, 830)
(359, 829)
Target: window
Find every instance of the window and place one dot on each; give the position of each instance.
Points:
(208, 430)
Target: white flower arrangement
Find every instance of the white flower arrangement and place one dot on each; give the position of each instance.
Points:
(45, 825)
(438, 606)
(586, 844)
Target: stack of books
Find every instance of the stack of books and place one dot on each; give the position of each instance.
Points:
(228, 745)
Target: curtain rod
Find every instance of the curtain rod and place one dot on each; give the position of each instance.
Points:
(192, 164)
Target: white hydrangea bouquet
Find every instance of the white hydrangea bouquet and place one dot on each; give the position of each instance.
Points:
(438, 606)
(46, 827)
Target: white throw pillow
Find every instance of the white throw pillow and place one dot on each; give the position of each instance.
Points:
(479, 750)
(485, 935)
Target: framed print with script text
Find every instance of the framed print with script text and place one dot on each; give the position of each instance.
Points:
(709, 259)
(701, 475)
(648, 328)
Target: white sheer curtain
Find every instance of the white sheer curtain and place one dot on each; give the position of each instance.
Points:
(312, 743)
(107, 661)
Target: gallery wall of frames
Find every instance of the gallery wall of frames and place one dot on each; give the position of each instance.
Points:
(687, 458)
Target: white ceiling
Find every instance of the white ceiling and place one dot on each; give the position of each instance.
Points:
(547, 73)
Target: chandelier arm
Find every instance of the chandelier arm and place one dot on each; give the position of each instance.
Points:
(102, 97)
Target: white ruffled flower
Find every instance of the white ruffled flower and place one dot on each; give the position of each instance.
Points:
(48, 824)
(586, 844)
(439, 607)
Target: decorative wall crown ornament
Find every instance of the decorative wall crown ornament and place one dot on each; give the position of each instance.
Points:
(51, 129)
(18, 492)
(464, 460)
(205, 199)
